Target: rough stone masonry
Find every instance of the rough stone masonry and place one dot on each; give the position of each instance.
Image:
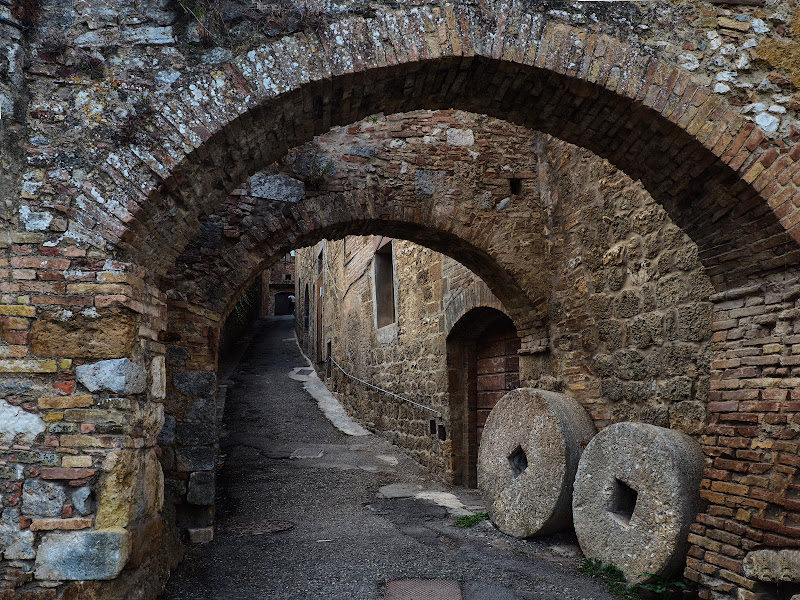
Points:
(124, 126)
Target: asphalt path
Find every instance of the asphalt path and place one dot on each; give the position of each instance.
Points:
(306, 511)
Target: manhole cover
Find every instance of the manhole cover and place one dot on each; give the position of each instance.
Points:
(263, 527)
(409, 589)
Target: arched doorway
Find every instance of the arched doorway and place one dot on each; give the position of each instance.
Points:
(483, 364)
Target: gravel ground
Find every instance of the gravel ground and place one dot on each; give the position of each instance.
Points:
(318, 525)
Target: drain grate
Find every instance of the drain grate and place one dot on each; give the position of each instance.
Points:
(410, 589)
(263, 527)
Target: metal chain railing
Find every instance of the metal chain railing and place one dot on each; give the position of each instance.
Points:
(380, 389)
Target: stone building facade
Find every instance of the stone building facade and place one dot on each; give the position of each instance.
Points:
(277, 287)
(126, 135)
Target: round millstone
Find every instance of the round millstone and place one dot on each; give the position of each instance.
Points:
(527, 460)
(637, 491)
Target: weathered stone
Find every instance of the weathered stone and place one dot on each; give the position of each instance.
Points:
(99, 333)
(82, 555)
(527, 460)
(460, 137)
(120, 376)
(637, 491)
(158, 372)
(195, 383)
(117, 488)
(194, 459)
(18, 425)
(166, 436)
(277, 187)
(82, 500)
(773, 565)
(42, 498)
(201, 488)
(16, 544)
(195, 434)
(428, 182)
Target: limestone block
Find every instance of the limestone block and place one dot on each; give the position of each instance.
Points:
(201, 488)
(637, 491)
(82, 555)
(101, 333)
(119, 376)
(527, 460)
(17, 424)
(116, 489)
(773, 565)
(16, 544)
(158, 371)
(42, 498)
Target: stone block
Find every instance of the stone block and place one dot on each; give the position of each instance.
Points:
(195, 434)
(277, 187)
(16, 544)
(195, 383)
(42, 498)
(18, 425)
(201, 535)
(637, 492)
(82, 555)
(195, 459)
(119, 376)
(61, 402)
(201, 488)
(527, 460)
(773, 565)
(82, 500)
(158, 372)
(101, 333)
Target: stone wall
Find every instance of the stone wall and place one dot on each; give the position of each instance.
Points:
(132, 124)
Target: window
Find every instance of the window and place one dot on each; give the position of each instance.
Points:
(384, 286)
(287, 277)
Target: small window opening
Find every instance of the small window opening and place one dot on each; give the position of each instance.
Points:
(516, 185)
(384, 286)
(623, 501)
(442, 433)
(287, 276)
(319, 263)
(433, 427)
(518, 461)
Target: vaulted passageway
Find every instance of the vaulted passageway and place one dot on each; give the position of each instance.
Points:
(134, 219)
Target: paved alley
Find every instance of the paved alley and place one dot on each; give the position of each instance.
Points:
(306, 511)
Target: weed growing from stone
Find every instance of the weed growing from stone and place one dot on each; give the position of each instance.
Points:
(660, 588)
(471, 520)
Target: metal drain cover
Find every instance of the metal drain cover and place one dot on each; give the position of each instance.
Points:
(263, 527)
(409, 589)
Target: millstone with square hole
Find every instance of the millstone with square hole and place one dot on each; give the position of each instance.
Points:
(637, 491)
(527, 460)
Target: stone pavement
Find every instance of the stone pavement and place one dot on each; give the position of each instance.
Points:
(306, 511)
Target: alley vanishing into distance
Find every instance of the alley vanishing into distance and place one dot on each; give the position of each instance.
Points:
(305, 511)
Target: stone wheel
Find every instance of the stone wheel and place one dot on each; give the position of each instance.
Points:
(637, 491)
(527, 460)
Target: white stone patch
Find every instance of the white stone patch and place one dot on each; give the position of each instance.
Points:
(759, 26)
(721, 88)
(688, 61)
(18, 425)
(768, 122)
(460, 137)
(778, 110)
(33, 220)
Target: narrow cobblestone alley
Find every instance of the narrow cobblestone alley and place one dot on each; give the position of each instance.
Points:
(305, 511)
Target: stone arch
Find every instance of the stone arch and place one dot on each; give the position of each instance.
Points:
(716, 174)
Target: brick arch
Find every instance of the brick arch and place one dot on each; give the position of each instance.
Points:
(719, 178)
(213, 280)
